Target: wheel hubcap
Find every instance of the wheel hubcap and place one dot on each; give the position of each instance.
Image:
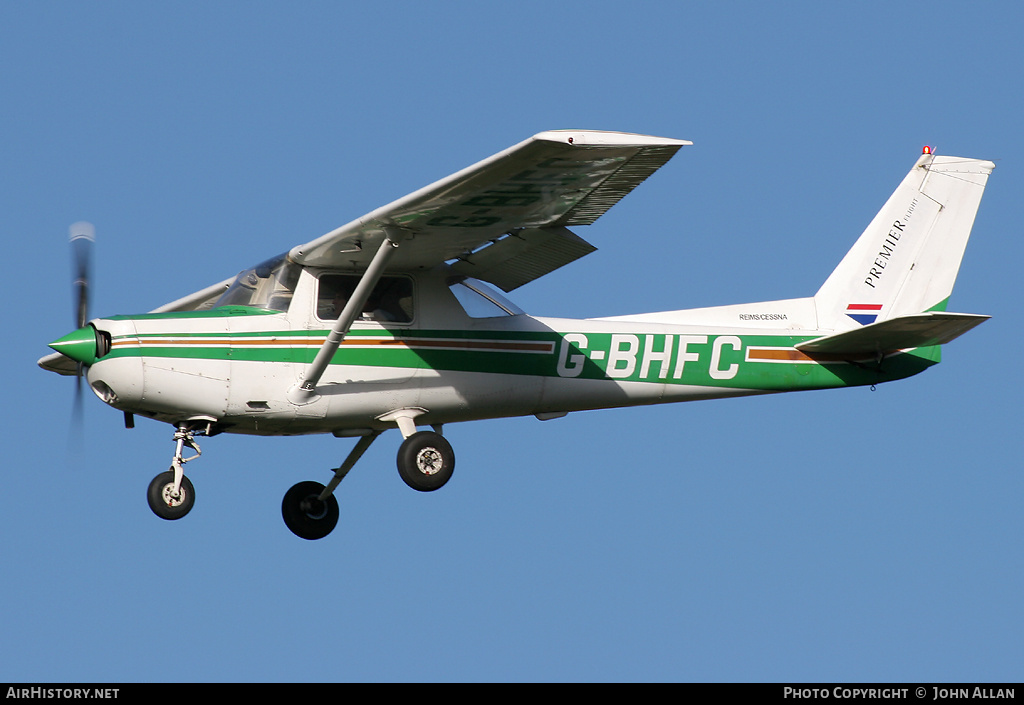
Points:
(314, 508)
(171, 499)
(429, 461)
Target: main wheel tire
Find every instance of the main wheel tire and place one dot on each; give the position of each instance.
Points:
(426, 461)
(162, 500)
(306, 515)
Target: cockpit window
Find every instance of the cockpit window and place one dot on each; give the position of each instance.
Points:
(389, 302)
(268, 285)
(481, 301)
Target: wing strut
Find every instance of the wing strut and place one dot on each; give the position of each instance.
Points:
(305, 391)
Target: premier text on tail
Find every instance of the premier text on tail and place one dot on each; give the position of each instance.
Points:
(387, 323)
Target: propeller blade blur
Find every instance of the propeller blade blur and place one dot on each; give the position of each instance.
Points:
(82, 236)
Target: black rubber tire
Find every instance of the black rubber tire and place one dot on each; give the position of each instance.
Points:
(426, 461)
(306, 516)
(159, 496)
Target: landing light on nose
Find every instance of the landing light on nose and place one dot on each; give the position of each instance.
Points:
(79, 345)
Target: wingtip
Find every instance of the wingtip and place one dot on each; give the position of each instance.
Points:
(609, 138)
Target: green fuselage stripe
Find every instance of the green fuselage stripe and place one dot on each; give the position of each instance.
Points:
(767, 362)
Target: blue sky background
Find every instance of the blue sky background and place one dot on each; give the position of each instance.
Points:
(827, 536)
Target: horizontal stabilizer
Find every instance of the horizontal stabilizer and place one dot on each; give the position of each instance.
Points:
(902, 333)
(523, 256)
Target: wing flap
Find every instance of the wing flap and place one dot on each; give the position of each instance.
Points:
(902, 333)
(523, 256)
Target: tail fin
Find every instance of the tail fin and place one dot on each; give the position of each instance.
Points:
(907, 259)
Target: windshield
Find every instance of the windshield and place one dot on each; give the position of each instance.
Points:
(268, 285)
(481, 301)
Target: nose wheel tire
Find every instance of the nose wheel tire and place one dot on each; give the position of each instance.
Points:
(306, 515)
(426, 461)
(163, 500)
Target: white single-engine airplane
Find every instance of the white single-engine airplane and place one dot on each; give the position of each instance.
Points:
(386, 322)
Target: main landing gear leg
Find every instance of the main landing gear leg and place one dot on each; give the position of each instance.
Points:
(310, 510)
(171, 494)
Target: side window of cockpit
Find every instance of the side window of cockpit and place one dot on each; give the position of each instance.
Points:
(389, 302)
(332, 295)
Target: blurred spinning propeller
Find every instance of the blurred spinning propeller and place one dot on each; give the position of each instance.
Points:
(83, 237)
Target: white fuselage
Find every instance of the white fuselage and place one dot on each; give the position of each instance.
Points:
(235, 367)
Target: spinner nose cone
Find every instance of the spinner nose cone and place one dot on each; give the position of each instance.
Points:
(79, 345)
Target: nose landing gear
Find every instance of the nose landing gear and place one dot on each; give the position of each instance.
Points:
(171, 494)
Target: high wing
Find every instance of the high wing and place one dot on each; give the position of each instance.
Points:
(505, 218)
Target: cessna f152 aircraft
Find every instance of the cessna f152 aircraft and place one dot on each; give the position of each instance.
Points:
(386, 322)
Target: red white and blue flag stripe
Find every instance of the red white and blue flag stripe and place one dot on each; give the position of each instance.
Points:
(864, 313)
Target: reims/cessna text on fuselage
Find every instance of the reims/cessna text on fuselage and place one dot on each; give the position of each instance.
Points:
(387, 322)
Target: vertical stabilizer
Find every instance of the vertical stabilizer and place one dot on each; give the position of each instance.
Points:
(907, 259)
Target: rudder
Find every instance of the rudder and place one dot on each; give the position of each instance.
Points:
(906, 260)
